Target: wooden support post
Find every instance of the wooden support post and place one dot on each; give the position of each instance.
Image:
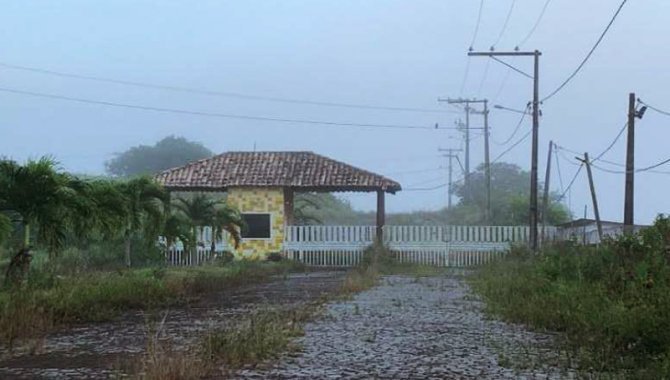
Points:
(381, 215)
(288, 206)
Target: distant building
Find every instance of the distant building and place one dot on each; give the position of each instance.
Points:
(585, 230)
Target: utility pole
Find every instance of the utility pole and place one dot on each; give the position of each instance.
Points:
(545, 200)
(450, 154)
(596, 212)
(468, 110)
(629, 199)
(536, 124)
(487, 161)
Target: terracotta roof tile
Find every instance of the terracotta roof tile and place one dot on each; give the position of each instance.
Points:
(273, 169)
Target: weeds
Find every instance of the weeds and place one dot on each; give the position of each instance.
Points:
(258, 337)
(49, 300)
(612, 302)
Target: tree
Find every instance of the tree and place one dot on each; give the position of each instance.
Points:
(144, 212)
(201, 210)
(45, 202)
(167, 153)
(509, 198)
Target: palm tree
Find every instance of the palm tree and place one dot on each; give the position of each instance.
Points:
(39, 197)
(176, 226)
(146, 202)
(197, 211)
(201, 210)
(227, 219)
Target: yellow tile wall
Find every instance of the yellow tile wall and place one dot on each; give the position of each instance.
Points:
(254, 199)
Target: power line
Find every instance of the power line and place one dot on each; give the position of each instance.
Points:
(640, 170)
(213, 114)
(662, 112)
(516, 129)
(618, 136)
(602, 36)
(484, 77)
(502, 86)
(427, 188)
(609, 147)
(415, 171)
(524, 137)
(472, 42)
(504, 27)
(215, 93)
(479, 20)
(558, 167)
(537, 23)
(572, 182)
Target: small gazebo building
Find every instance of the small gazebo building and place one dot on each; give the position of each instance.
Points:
(261, 185)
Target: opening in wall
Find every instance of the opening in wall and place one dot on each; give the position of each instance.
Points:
(259, 226)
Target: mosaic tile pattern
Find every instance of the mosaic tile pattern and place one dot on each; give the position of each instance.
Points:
(260, 200)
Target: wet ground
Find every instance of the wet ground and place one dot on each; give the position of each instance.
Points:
(407, 328)
(102, 350)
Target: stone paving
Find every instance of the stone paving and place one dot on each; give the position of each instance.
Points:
(408, 328)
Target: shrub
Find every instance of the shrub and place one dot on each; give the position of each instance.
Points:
(611, 301)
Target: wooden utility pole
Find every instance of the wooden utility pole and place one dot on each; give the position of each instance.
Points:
(533, 209)
(629, 200)
(468, 110)
(487, 161)
(596, 212)
(545, 200)
(450, 154)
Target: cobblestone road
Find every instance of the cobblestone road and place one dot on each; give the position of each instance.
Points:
(408, 328)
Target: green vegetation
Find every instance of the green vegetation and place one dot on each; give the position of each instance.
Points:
(612, 302)
(168, 153)
(50, 299)
(509, 204)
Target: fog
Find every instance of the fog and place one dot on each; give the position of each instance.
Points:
(389, 53)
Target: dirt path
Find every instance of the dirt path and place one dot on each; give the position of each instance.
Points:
(102, 350)
(407, 328)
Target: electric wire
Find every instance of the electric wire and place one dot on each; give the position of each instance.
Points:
(479, 20)
(653, 108)
(593, 49)
(215, 93)
(484, 77)
(472, 42)
(537, 23)
(558, 167)
(524, 137)
(213, 114)
(504, 27)
(516, 129)
(572, 182)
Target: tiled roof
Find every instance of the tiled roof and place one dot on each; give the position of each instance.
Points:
(305, 170)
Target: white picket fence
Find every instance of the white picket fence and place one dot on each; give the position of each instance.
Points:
(458, 246)
(178, 256)
(343, 246)
(331, 246)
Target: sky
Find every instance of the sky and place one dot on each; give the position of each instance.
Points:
(403, 54)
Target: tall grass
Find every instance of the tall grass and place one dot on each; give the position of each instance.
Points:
(612, 302)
